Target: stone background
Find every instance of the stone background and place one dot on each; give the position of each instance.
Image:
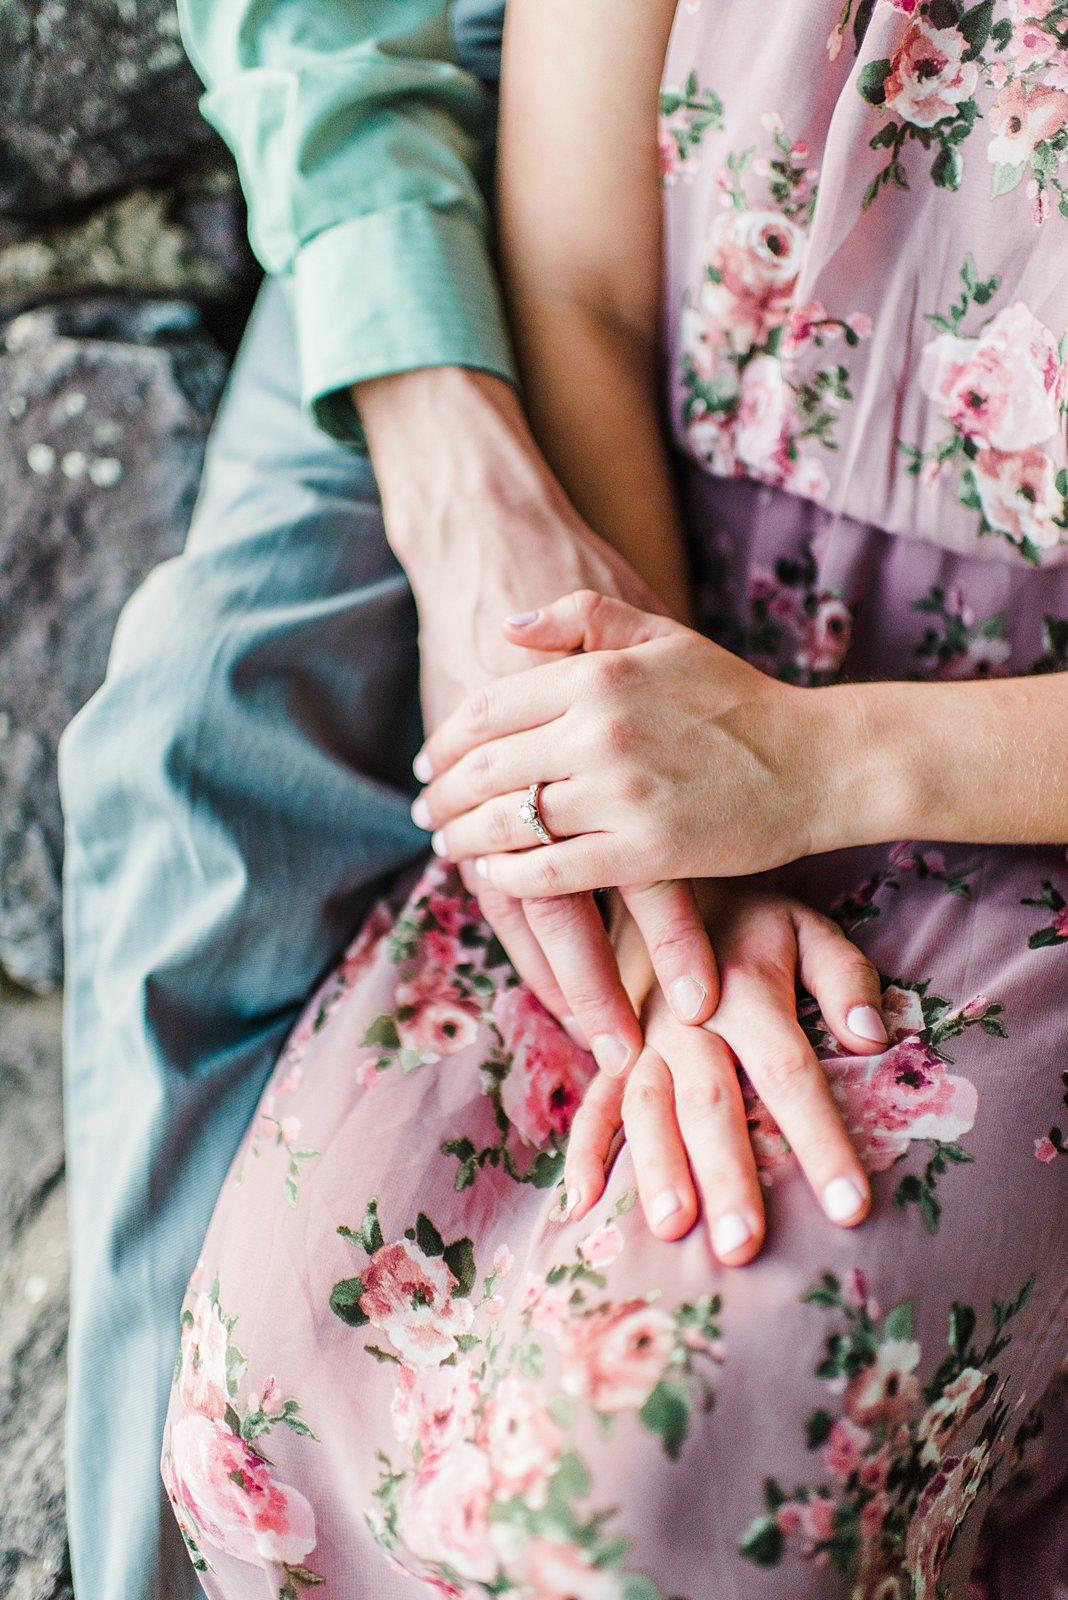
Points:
(125, 279)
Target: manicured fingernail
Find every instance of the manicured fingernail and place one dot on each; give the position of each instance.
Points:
(572, 1201)
(664, 1206)
(610, 1053)
(421, 813)
(481, 867)
(729, 1233)
(687, 996)
(842, 1199)
(867, 1023)
(437, 843)
(522, 619)
(422, 768)
(572, 1026)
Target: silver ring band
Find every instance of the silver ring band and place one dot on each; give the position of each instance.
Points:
(528, 812)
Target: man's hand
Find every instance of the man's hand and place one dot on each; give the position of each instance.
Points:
(483, 530)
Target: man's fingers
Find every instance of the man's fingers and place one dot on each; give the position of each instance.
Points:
(572, 866)
(843, 981)
(585, 620)
(594, 1131)
(757, 1017)
(656, 1144)
(576, 946)
(678, 946)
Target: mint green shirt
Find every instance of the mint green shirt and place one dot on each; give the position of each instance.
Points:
(364, 151)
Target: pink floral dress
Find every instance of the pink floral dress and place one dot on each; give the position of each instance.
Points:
(399, 1364)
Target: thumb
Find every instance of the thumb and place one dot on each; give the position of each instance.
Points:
(585, 620)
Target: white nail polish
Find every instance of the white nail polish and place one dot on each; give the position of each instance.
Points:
(422, 768)
(842, 1199)
(572, 1201)
(729, 1233)
(522, 619)
(421, 813)
(437, 843)
(687, 996)
(666, 1204)
(481, 867)
(575, 1032)
(866, 1023)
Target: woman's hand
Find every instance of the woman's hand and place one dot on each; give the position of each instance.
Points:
(662, 756)
(681, 1104)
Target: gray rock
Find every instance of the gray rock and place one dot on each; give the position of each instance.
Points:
(187, 240)
(95, 95)
(104, 409)
(33, 1303)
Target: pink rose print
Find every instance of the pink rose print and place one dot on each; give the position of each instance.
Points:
(444, 1513)
(1002, 388)
(928, 76)
(233, 1497)
(943, 1506)
(1020, 120)
(557, 1571)
(904, 1094)
(521, 1440)
(601, 1247)
(885, 1392)
(409, 1296)
(548, 1073)
(1019, 496)
(434, 1407)
(615, 1357)
(433, 1019)
(203, 1387)
(845, 1448)
(1045, 1150)
(943, 1420)
(823, 640)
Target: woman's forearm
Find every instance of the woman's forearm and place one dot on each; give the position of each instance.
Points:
(591, 396)
(580, 227)
(982, 762)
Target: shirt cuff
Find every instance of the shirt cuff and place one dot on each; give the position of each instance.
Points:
(410, 287)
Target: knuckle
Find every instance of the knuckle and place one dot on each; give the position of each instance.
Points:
(587, 603)
(553, 916)
(480, 771)
(546, 877)
(697, 1101)
(480, 709)
(616, 735)
(498, 827)
(643, 1095)
(783, 1071)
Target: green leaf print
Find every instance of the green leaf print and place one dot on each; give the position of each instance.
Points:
(666, 1414)
(460, 1260)
(871, 82)
(763, 1543)
(382, 1031)
(345, 1299)
(427, 1236)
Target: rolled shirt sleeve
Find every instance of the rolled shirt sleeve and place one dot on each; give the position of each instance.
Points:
(363, 150)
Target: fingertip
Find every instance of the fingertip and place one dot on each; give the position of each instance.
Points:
(846, 1201)
(671, 1214)
(423, 767)
(865, 1024)
(736, 1238)
(522, 619)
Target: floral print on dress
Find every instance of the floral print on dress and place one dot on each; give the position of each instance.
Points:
(899, 1480)
(1003, 392)
(854, 907)
(747, 409)
(488, 1491)
(892, 1100)
(949, 57)
(798, 630)
(225, 1493)
(958, 644)
(686, 115)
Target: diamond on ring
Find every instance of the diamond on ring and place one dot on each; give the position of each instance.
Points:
(528, 812)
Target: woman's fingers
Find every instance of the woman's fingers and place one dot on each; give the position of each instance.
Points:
(594, 1131)
(843, 981)
(712, 1127)
(585, 620)
(497, 826)
(675, 936)
(501, 768)
(504, 705)
(656, 1145)
(587, 861)
(757, 1018)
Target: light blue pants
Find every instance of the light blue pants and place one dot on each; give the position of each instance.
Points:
(233, 795)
